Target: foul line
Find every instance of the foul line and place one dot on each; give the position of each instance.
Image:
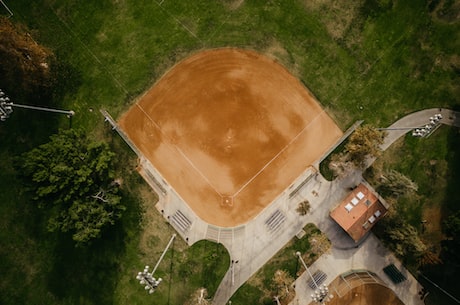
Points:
(179, 150)
(277, 155)
(178, 21)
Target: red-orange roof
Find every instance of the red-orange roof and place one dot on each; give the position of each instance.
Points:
(358, 212)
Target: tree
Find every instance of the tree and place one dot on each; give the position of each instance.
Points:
(451, 245)
(429, 258)
(319, 243)
(403, 238)
(340, 165)
(281, 283)
(451, 226)
(303, 208)
(395, 184)
(406, 241)
(364, 143)
(73, 179)
(199, 297)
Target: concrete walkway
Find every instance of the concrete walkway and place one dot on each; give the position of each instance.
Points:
(418, 119)
(253, 244)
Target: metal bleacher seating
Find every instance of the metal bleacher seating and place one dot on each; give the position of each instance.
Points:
(180, 221)
(319, 277)
(275, 221)
(394, 274)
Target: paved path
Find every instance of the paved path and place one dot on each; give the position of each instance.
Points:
(253, 244)
(418, 119)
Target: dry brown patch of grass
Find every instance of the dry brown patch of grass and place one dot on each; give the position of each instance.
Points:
(432, 232)
(155, 234)
(337, 16)
(233, 4)
(447, 11)
(276, 51)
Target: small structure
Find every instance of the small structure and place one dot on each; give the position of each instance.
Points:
(359, 211)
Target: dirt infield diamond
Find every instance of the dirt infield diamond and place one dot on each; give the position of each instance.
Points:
(229, 130)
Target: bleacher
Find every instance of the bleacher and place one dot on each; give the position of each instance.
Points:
(212, 233)
(394, 274)
(219, 235)
(275, 221)
(300, 186)
(180, 221)
(319, 277)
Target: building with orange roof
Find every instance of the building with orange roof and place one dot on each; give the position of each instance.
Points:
(359, 211)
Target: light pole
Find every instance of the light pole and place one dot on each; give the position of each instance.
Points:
(6, 108)
(321, 294)
(421, 131)
(146, 278)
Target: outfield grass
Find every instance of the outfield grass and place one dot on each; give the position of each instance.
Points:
(388, 57)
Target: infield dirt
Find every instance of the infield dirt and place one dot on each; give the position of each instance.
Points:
(368, 294)
(229, 130)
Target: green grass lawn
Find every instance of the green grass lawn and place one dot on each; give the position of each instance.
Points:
(387, 57)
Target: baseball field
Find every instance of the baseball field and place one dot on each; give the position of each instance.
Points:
(374, 60)
(229, 129)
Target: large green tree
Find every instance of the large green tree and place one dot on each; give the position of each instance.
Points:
(73, 178)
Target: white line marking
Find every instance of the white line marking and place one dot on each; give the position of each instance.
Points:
(180, 151)
(179, 22)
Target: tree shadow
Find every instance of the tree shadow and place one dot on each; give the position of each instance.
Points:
(89, 275)
(445, 274)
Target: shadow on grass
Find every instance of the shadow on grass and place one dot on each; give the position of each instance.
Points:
(446, 273)
(89, 275)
